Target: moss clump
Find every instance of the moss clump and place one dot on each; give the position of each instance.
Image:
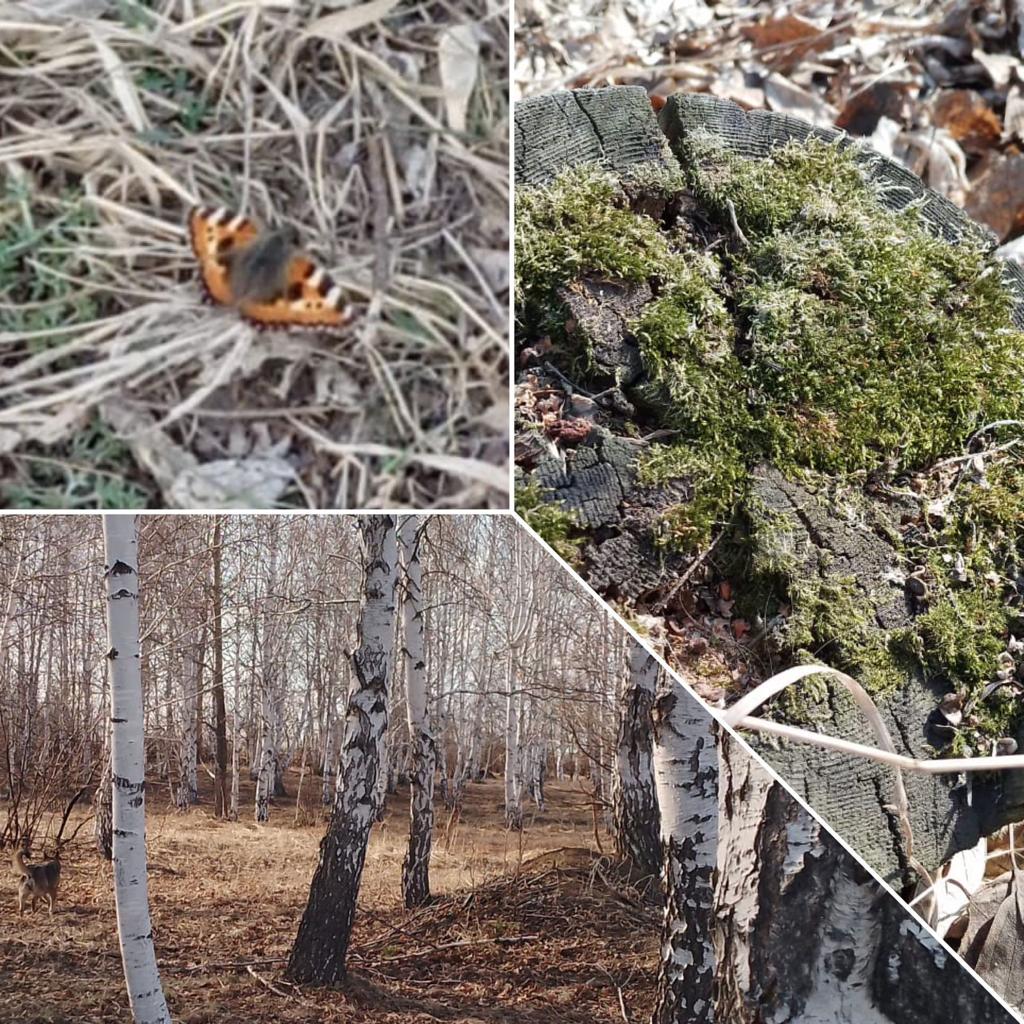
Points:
(865, 337)
(962, 636)
(828, 333)
(581, 225)
(717, 475)
(558, 526)
(973, 561)
(832, 616)
(808, 609)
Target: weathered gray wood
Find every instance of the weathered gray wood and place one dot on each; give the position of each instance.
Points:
(597, 482)
(849, 793)
(613, 127)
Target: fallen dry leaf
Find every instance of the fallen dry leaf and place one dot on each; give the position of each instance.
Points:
(968, 118)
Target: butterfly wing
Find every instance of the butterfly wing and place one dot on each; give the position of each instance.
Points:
(311, 299)
(215, 234)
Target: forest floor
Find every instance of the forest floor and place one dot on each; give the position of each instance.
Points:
(523, 929)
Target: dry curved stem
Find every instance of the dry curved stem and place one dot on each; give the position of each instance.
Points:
(739, 716)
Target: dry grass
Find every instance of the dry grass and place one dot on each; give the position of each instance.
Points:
(227, 894)
(379, 131)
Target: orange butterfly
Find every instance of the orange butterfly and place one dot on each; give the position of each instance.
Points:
(263, 275)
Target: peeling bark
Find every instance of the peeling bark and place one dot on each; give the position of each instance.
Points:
(686, 770)
(805, 935)
(637, 819)
(416, 867)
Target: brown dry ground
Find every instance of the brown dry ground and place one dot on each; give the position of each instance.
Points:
(525, 933)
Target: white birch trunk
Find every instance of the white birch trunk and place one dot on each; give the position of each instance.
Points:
(637, 820)
(686, 771)
(131, 892)
(513, 794)
(267, 771)
(322, 942)
(233, 809)
(416, 867)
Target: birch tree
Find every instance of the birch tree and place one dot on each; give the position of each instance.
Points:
(103, 824)
(637, 820)
(513, 788)
(131, 892)
(416, 867)
(270, 724)
(686, 772)
(321, 945)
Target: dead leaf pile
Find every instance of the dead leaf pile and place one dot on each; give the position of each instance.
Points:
(937, 86)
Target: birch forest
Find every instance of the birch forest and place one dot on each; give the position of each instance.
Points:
(398, 769)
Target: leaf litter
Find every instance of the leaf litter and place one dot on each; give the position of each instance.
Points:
(547, 933)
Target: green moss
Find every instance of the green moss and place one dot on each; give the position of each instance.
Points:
(829, 337)
(716, 475)
(833, 617)
(828, 333)
(962, 636)
(558, 526)
(581, 224)
(815, 182)
(973, 560)
(687, 321)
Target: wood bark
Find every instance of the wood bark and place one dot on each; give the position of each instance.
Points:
(131, 894)
(322, 942)
(188, 752)
(103, 825)
(513, 790)
(416, 867)
(804, 933)
(637, 818)
(686, 771)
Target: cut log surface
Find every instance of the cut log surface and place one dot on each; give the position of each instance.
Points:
(613, 127)
(598, 482)
(597, 479)
(756, 133)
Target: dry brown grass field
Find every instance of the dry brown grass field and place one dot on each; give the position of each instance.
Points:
(526, 932)
(379, 133)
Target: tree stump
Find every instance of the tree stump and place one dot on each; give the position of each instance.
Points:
(615, 515)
